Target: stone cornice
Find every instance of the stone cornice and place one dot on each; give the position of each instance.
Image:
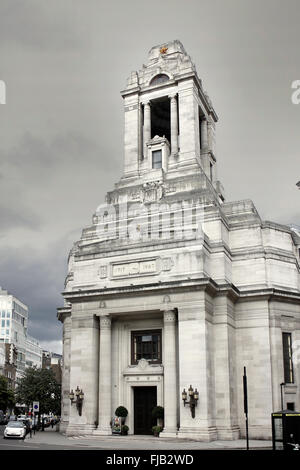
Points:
(63, 313)
(283, 295)
(167, 287)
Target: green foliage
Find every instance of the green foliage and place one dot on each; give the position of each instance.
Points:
(7, 397)
(124, 430)
(156, 429)
(158, 412)
(121, 412)
(40, 385)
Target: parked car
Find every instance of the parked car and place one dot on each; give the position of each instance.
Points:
(15, 429)
(3, 418)
(21, 417)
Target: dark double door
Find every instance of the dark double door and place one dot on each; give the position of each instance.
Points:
(145, 399)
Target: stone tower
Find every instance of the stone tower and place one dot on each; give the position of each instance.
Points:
(171, 286)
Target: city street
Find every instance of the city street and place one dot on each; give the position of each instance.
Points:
(52, 440)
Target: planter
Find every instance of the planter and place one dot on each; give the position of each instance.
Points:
(156, 430)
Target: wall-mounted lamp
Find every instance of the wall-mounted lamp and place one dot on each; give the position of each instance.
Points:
(78, 400)
(193, 396)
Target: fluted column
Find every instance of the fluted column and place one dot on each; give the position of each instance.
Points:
(147, 126)
(174, 125)
(105, 376)
(204, 134)
(170, 374)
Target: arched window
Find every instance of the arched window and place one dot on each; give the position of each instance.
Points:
(161, 78)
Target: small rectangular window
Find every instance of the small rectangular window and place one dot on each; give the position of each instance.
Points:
(146, 345)
(287, 358)
(157, 159)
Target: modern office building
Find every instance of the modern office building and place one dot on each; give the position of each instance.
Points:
(34, 353)
(172, 290)
(13, 331)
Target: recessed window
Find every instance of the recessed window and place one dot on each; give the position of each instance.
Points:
(146, 345)
(160, 78)
(287, 358)
(157, 159)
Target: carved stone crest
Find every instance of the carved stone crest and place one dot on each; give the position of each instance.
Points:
(152, 191)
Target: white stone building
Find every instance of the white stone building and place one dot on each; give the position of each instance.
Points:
(171, 286)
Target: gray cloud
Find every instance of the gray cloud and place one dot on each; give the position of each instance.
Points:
(15, 217)
(61, 131)
(38, 24)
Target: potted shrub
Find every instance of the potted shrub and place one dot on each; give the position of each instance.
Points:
(158, 413)
(121, 412)
(156, 430)
(124, 430)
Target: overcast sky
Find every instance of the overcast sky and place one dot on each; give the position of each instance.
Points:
(64, 63)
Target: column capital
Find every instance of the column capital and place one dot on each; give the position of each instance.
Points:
(170, 316)
(146, 103)
(172, 96)
(105, 321)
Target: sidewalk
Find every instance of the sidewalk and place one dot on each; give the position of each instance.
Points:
(51, 437)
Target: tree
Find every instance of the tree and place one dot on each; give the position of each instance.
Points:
(40, 385)
(7, 397)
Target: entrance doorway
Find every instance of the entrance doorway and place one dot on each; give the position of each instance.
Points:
(145, 399)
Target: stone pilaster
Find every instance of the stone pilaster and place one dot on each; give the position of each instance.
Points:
(225, 369)
(170, 377)
(84, 369)
(174, 125)
(105, 389)
(147, 126)
(196, 369)
(65, 377)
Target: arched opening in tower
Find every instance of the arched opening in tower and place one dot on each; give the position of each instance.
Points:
(160, 118)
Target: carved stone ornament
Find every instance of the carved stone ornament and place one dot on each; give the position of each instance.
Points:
(103, 271)
(105, 322)
(169, 316)
(167, 264)
(152, 191)
(143, 364)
